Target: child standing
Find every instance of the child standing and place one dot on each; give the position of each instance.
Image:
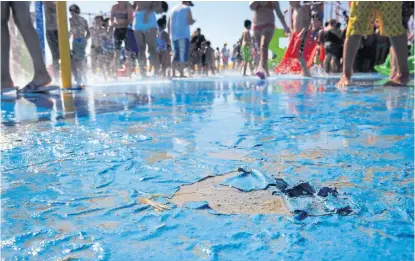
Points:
(163, 46)
(210, 58)
(225, 57)
(217, 57)
(80, 34)
(97, 32)
(246, 47)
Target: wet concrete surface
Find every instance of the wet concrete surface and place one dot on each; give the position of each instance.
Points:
(99, 174)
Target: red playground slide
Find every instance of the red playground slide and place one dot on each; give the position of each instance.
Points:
(289, 63)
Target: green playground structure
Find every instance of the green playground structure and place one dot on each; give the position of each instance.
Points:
(385, 68)
(274, 47)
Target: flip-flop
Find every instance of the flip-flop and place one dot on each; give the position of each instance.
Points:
(261, 75)
(32, 88)
(8, 89)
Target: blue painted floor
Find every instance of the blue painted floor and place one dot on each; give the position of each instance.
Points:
(75, 165)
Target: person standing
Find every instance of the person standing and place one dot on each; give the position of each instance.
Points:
(362, 18)
(264, 26)
(225, 57)
(145, 32)
(80, 34)
(217, 58)
(23, 21)
(97, 31)
(179, 28)
(121, 17)
(52, 35)
(246, 49)
(197, 40)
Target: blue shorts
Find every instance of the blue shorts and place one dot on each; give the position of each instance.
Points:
(181, 50)
(78, 49)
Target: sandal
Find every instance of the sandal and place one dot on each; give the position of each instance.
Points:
(261, 75)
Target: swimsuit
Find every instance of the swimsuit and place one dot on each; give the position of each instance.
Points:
(161, 45)
(332, 44)
(121, 15)
(78, 48)
(270, 25)
(132, 44)
(364, 14)
(120, 36)
(139, 24)
(246, 54)
(263, 26)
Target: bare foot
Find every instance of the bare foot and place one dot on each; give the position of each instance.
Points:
(41, 79)
(398, 80)
(344, 81)
(393, 75)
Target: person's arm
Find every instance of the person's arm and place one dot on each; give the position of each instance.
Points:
(70, 27)
(243, 38)
(190, 20)
(130, 14)
(169, 49)
(281, 17)
(168, 25)
(88, 33)
(112, 14)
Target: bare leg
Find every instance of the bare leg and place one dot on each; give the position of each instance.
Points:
(393, 61)
(326, 63)
(181, 69)
(258, 39)
(351, 46)
(334, 64)
(244, 64)
(52, 38)
(173, 68)
(150, 39)
(251, 68)
(6, 80)
(267, 37)
(399, 44)
(142, 60)
(23, 20)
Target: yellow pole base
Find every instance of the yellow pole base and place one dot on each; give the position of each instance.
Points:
(63, 39)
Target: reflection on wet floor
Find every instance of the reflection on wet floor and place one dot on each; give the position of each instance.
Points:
(88, 174)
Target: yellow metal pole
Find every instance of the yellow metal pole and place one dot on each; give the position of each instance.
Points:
(64, 52)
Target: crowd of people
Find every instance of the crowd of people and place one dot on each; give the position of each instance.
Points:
(132, 34)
